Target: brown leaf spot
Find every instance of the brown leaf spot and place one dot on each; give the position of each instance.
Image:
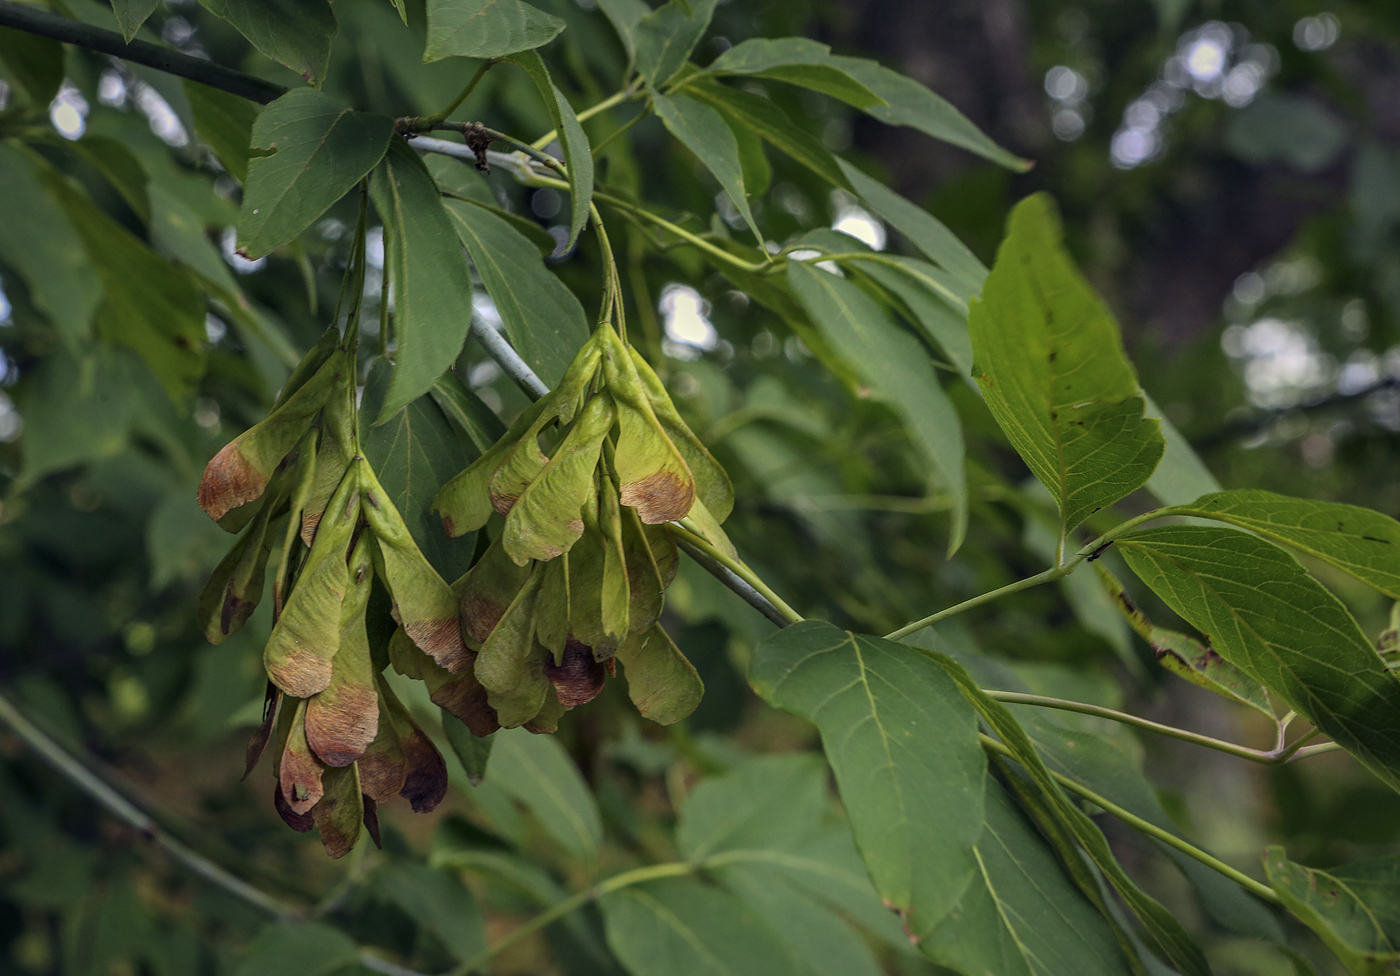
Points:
(382, 776)
(235, 611)
(229, 481)
(300, 781)
(442, 640)
(466, 699)
(426, 783)
(503, 503)
(449, 527)
(309, 521)
(480, 616)
(659, 497)
(579, 678)
(302, 674)
(339, 732)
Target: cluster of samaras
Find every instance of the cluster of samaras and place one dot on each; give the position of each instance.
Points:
(574, 582)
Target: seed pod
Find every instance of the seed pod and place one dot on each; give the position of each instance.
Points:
(299, 772)
(578, 678)
(712, 485)
(296, 508)
(257, 744)
(335, 450)
(239, 473)
(488, 589)
(425, 783)
(546, 720)
(511, 663)
(234, 589)
(552, 617)
(652, 475)
(343, 720)
(547, 519)
(661, 682)
(305, 638)
(424, 604)
(310, 364)
(459, 694)
(383, 769)
(646, 588)
(614, 609)
(663, 550)
(704, 523)
(465, 502)
(340, 812)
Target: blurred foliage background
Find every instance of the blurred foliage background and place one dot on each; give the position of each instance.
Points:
(1230, 179)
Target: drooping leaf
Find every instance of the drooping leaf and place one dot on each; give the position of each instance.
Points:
(296, 33)
(536, 770)
(467, 412)
(1050, 362)
(666, 36)
(1354, 909)
(432, 284)
(765, 802)
(661, 682)
(703, 131)
(934, 300)
(316, 151)
(224, 123)
(131, 14)
(1263, 613)
(679, 927)
(1359, 541)
(472, 751)
(542, 317)
(897, 370)
(624, 15)
(298, 949)
(438, 901)
(511, 663)
(760, 115)
(798, 61)
(578, 154)
(903, 744)
(339, 813)
(486, 28)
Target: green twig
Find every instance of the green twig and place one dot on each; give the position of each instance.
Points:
(739, 568)
(1150, 829)
(1049, 575)
(617, 98)
(462, 96)
(681, 232)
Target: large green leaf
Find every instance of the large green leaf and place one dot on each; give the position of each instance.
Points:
(1354, 909)
(760, 115)
(625, 15)
(897, 370)
(131, 14)
(887, 95)
(437, 901)
(903, 744)
(297, 949)
(413, 453)
(1051, 366)
(680, 927)
(296, 33)
(666, 36)
(224, 123)
(933, 301)
(54, 263)
(766, 802)
(1022, 916)
(74, 411)
(1263, 613)
(428, 270)
(537, 771)
(486, 28)
(1181, 475)
(318, 150)
(542, 317)
(703, 131)
(1358, 541)
(578, 155)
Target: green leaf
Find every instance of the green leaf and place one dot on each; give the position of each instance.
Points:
(1359, 541)
(1021, 916)
(1181, 475)
(798, 61)
(1266, 615)
(903, 744)
(467, 412)
(486, 28)
(131, 14)
(428, 269)
(472, 751)
(54, 264)
(932, 301)
(33, 63)
(297, 949)
(1354, 909)
(412, 453)
(437, 901)
(74, 411)
(923, 229)
(753, 158)
(625, 15)
(542, 317)
(318, 151)
(897, 370)
(760, 115)
(666, 36)
(537, 771)
(296, 33)
(703, 131)
(679, 927)
(224, 123)
(578, 155)
(765, 802)
(1050, 362)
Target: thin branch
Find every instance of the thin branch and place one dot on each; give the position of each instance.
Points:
(732, 580)
(1150, 829)
(33, 20)
(508, 359)
(684, 531)
(462, 96)
(977, 601)
(124, 810)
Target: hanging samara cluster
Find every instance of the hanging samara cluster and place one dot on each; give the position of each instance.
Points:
(575, 579)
